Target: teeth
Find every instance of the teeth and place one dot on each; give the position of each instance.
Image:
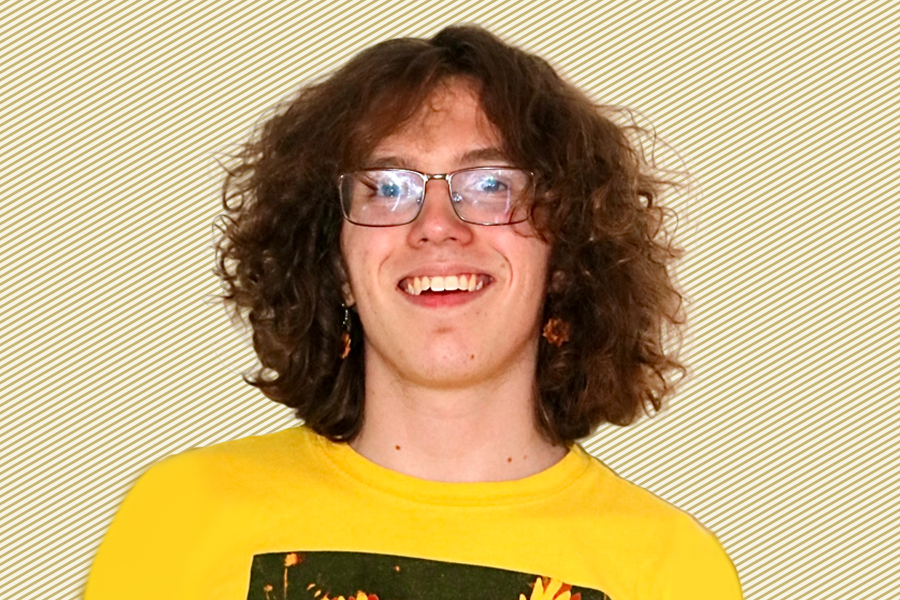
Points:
(448, 283)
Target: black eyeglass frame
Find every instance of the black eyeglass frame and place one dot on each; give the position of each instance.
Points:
(448, 177)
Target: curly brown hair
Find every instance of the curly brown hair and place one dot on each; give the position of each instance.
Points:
(611, 266)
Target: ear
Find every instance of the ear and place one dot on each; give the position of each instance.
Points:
(347, 293)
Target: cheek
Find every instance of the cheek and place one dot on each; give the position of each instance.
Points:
(363, 255)
(535, 260)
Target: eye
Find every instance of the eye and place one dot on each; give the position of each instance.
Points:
(490, 184)
(387, 189)
(383, 186)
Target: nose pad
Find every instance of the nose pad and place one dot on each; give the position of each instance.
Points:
(438, 194)
(438, 219)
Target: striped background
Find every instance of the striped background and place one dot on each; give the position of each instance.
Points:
(782, 443)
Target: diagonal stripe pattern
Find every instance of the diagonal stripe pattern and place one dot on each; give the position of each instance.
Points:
(781, 441)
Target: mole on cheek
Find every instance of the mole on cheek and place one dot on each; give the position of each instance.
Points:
(509, 459)
(397, 447)
(471, 357)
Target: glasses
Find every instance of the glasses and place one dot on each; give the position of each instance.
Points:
(482, 195)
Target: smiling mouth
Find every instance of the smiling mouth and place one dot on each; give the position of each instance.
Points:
(416, 286)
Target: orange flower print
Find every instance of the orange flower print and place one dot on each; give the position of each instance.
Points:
(554, 589)
(360, 595)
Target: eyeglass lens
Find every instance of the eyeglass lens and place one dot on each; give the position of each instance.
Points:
(487, 196)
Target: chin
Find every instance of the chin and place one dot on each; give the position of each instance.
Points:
(451, 371)
(466, 366)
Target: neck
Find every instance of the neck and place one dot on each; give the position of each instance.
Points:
(483, 432)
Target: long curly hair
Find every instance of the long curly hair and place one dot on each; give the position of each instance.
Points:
(611, 272)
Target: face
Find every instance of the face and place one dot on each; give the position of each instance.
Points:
(446, 338)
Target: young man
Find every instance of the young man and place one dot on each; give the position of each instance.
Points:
(454, 268)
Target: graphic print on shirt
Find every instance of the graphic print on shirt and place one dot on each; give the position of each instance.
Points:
(363, 576)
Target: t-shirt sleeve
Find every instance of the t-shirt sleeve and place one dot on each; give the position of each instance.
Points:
(147, 548)
(696, 568)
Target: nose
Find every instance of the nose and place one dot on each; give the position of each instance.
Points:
(438, 222)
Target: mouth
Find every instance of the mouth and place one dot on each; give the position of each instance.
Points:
(444, 284)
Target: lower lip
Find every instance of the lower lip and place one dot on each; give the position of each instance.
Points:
(443, 299)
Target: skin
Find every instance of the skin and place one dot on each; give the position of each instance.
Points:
(449, 387)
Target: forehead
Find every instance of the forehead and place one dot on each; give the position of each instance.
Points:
(449, 119)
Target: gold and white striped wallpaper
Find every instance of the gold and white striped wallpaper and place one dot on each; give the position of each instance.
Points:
(782, 443)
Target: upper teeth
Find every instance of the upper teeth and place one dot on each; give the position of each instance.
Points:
(447, 283)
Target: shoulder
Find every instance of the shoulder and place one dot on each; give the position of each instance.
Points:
(268, 449)
(181, 501)
(676, 555)
(632, 503)
(229, 466)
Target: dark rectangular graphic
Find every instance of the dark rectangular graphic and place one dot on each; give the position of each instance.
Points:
(362, 576)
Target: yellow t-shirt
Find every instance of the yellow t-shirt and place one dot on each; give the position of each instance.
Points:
(292, 515)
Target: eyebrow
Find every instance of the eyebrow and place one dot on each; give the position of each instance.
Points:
(480, 155)
(483, 154)
(387, 162)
